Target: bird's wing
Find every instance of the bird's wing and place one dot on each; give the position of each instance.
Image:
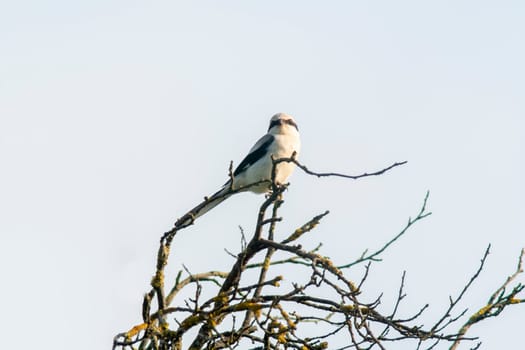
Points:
(258, 151)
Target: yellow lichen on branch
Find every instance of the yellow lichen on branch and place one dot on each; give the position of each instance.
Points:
(310, 225)
(136, 330)
(480, 313)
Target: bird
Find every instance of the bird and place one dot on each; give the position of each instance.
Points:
(254, 172)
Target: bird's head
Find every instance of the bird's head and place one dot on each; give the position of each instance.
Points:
(282, 123)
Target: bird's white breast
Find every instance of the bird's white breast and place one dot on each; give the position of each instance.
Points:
(283, 146)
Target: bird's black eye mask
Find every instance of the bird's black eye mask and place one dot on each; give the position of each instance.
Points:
(283, 121)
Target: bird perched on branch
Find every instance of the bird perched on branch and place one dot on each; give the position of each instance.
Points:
(254, 173)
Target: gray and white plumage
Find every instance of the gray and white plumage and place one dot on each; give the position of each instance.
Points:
(281, 141)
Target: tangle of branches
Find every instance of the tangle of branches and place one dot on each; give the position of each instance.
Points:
(316, 306)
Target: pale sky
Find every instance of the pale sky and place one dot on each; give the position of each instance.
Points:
(117, 116)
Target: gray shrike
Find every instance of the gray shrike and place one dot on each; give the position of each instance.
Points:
(281, 141)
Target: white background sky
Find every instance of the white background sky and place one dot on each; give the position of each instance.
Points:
(117, 116)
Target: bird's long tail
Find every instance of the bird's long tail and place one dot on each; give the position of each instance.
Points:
(209, 203)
